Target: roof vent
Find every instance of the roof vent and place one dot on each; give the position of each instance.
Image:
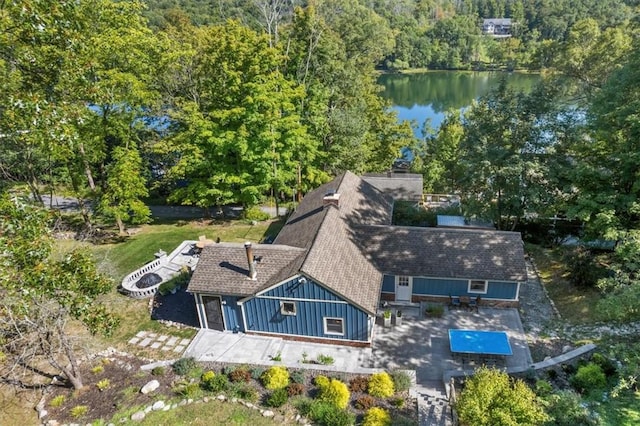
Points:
(331, 198)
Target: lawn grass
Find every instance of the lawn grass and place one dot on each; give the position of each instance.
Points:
(576, 305)
(119, 259)
(201, 414)
(621, 411)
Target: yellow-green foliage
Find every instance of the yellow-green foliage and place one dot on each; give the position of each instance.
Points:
(275, 378)
(377, 416)
(57, 401)
(97, 369)
(103, 384)
(333, 391)
(79, 411)
(381, 385)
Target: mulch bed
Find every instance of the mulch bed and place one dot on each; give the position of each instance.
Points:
(126, 379)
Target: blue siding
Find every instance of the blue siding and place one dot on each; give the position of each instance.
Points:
(263, 313)
(456, 287)
(232, 313)
(293, 289)
(389, 284)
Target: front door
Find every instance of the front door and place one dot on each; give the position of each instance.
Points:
(404, 288)
(213, 312)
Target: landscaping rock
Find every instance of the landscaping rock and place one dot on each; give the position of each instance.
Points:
(566, 349)
(42, 413)
(158, 405)
(138, 416)
(150, 387)
(148, 409)
(221, 398)
(268, 413)
(183, 402)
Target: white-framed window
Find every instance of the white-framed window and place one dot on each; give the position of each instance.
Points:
(477, 286)
(288, 308)
(403, 281)
(334, 326)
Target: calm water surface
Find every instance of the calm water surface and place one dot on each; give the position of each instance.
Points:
(426, 97)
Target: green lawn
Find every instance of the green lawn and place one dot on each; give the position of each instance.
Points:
(119, 259)
(576, 305)
(621, 411)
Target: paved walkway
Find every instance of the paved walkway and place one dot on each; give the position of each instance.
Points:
(163, 342)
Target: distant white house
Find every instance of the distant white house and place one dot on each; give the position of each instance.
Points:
(497, 27)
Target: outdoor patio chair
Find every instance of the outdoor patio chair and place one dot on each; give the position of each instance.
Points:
(473, 303)
(454, 301)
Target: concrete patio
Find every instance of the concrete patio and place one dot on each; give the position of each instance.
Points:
(422, 344)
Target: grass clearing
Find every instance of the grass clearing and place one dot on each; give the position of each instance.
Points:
(621, 411)
(576, 305)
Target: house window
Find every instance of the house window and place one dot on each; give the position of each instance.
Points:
(334, 326)
(477, 286)
(403, 281)
(288, 308)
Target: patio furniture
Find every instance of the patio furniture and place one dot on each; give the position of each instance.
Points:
(465, 301)
(486, 346)
(473, 303)
(454, 301)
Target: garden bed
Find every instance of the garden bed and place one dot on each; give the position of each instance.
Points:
(113, 383)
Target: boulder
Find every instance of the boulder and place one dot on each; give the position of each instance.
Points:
(150, 387)
(138, 416)
(268, 413)
(157, 406)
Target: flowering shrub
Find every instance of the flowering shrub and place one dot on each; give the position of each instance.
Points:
(333, 391)
(275, 378)
(377, 417)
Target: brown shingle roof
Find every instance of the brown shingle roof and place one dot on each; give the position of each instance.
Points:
(223, 268)
(446, 253)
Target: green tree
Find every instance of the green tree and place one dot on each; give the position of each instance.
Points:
(441, 169)
(124, 188)
(42, 293)
(504, 155)
(490, 397)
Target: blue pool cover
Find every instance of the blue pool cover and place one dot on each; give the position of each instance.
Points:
(479, 342)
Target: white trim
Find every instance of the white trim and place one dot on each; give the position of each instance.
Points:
(293, 277)
(332, 333)
(454, 278)
(409, 287)
(518, 291)
(486, 287)
(292, 312)
(200, 309)
(302, 300)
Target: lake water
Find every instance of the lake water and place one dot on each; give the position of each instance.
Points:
(426, 97)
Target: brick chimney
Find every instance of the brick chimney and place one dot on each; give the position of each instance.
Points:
(331, 199)
(251, 260)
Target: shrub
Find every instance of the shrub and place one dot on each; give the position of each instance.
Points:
(57, 401)
(326, 414)
(543, 388)
(188, 389)
(397, 402)
(608, 367)
(240, 375)
(254, 213)
(589, 377)
(103, 384)
(158, 371)
(365, 402)
(490, 397)
(566, 409)
(79, 411)
(325, 359)
(278, 398)
(434, 311)
(244, 391)
(174, 283)
(377, 417)
(297, 376)
(401, 380)
(256, 373)
(333, 391)
(213, 382)
(275, 378)
(97, 369)
(359, 384)
(381, 385)
(583, 267)
(184, 366)
(295, 389)
(229, 369)
(277, 357)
